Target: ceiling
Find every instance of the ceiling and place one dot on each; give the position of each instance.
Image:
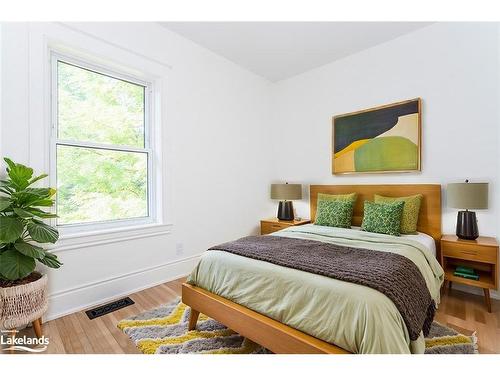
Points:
(279, 50)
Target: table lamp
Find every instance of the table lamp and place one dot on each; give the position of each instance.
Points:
(285, 193)
(467, 196)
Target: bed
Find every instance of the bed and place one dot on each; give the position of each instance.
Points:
(291, 311)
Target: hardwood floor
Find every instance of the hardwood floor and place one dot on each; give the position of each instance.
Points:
(75, 333)
(467, 313)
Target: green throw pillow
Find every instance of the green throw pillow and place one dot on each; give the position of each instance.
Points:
(411, 209)
(383, 217)
(334, 213)
(337, 197)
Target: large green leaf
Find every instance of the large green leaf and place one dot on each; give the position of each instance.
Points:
(4, 203)
(50, 260)
(30, 250)
(14, 265)
(35, 179)
(11, 228)
(6, 187)
(40, 213)
(5, 190)
(42, 192)
(43, 203)
(22, 213)
(19, 174)
(25, 198)
(41, 232)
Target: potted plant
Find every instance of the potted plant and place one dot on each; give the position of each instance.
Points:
(23, 291)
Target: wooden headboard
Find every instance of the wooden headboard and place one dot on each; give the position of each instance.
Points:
(429, 219)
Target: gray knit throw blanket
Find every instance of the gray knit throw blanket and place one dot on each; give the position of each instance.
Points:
(391, 274)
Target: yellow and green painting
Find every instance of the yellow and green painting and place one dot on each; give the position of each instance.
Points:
(382, 139)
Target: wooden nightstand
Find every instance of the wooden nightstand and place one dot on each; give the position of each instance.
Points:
(480, 254)
(272, 225)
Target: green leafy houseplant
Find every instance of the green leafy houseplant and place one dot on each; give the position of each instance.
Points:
(22, 229)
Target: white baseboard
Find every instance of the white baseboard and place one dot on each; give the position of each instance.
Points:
(96, 293)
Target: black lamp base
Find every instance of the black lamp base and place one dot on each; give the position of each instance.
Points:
(285, 210)
(467, 225)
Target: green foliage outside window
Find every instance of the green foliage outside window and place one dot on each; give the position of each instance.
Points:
(96, 184)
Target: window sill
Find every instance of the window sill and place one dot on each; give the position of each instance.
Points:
(102, 237)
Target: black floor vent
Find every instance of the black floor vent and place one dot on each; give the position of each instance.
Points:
(110, 307)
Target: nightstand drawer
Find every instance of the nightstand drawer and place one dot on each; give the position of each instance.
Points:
(266, 228)
(468, 252)
(273, 225)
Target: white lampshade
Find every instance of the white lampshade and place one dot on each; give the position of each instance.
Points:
(286, 191)
(467, 195)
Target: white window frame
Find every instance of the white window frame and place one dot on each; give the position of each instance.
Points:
(148, 149)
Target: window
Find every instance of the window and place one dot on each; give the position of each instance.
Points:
(101, 146)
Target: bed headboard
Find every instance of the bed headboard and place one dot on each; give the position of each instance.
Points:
(429, 219)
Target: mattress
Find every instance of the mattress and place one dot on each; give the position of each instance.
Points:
(354, 317)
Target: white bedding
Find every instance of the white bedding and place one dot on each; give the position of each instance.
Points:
(420, 237)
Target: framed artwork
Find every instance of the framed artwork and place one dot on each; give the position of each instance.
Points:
(382, 139)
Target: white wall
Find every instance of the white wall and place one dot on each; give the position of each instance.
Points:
(215, 126)
(454, 68)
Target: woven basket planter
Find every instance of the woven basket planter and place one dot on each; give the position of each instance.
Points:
(22, 304)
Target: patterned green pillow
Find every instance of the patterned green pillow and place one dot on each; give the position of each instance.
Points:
(334, 213)
(411, 209)
(337, 197)
(383, 217)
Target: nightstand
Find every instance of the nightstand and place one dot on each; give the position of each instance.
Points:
(480, 254)
(272, 225)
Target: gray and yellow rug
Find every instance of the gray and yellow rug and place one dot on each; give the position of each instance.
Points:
(164, 331)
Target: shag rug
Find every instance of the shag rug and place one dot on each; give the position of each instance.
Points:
(164, 331)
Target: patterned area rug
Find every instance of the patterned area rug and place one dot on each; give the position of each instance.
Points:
(164, 331)
(445, 340)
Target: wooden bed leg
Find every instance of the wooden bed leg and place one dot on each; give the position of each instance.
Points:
(487, 298)
(193, 319)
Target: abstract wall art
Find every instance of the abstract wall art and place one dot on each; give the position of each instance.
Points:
(381, 139)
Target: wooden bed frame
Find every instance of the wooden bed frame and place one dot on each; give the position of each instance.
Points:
(276, 336)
